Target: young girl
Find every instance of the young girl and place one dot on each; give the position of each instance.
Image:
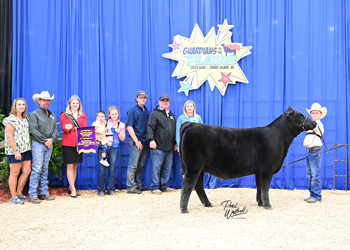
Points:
(112, 153)
(100, 129)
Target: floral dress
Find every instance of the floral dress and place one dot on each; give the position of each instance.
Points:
(20, 134)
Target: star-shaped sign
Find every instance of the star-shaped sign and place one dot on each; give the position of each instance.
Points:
(204, 58)
(225, 78)
(175, 46)
(225, 28)
(185, 87)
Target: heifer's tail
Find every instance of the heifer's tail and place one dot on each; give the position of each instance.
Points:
(182, 133)
(182, 139)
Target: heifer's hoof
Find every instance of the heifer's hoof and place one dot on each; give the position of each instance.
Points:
(184, 211)
(260, 204)
(208, 205)
(268, 207)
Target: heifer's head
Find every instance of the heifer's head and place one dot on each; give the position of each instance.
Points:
(299, 119)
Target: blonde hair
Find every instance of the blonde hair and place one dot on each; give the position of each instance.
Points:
(194, 109)
(13, 108)
(112, 108)
(69, 109)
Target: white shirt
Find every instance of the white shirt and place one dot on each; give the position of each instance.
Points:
(75, 114)
(313, 140)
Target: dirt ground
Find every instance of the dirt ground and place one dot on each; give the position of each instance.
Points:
(131, 221)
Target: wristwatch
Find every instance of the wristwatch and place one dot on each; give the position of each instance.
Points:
(16, 150)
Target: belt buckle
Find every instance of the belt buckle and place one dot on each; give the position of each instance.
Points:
(109, 144)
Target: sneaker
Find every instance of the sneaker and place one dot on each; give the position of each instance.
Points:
(16, 200)
(142, 188)
(169, 190)
(34, 200)
(23, 197)
(101, 194)
(308, 198)
(46, 197)
(157, 191)
(134, 191)
(104, 163)
(111, 193)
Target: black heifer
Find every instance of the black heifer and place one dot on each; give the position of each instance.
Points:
(231, 153)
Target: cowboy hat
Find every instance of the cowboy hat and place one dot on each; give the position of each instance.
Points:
(317, 106)
(43, 95)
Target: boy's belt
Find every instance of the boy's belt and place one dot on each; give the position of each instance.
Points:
(312, 148)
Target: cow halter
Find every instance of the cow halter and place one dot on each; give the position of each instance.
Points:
(302, 125)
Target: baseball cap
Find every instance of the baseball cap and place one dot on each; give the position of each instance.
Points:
(141, 93)
(164, 96)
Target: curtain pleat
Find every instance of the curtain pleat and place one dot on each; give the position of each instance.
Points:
(5, 56)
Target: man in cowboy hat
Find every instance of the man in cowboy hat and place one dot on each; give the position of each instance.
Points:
(42, 124)
(313, 144)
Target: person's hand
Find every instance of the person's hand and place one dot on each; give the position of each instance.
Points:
(49, 146)
(175, 147)
(153, 145)
(139, 145)
(117, 130)
(18, 155)
(68, 126)
(178, 150)
(48, 143)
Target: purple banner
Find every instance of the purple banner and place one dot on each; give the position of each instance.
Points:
(86, 139)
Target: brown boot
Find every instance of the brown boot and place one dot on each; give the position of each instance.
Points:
(46, 197)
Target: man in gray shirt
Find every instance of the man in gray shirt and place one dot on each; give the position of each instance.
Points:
(43, 128)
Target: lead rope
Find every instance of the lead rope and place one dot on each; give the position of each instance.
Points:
(305, 158)
(322, 152)
(323, 139)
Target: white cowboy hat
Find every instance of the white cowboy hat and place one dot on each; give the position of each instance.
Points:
(317, 106)
(43, 95)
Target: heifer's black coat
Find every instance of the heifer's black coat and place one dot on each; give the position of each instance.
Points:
(230, 153)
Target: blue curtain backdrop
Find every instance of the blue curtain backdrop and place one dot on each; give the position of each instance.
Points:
(105, 51)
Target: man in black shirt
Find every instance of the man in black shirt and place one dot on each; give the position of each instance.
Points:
(161, 129)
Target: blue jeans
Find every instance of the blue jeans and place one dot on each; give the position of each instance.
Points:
(103, 148)
(112, 157)
(313, 171)
(137, 159)
(40, 169)
(161, 167)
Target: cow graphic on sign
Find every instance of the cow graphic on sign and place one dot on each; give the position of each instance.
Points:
(231, 48)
